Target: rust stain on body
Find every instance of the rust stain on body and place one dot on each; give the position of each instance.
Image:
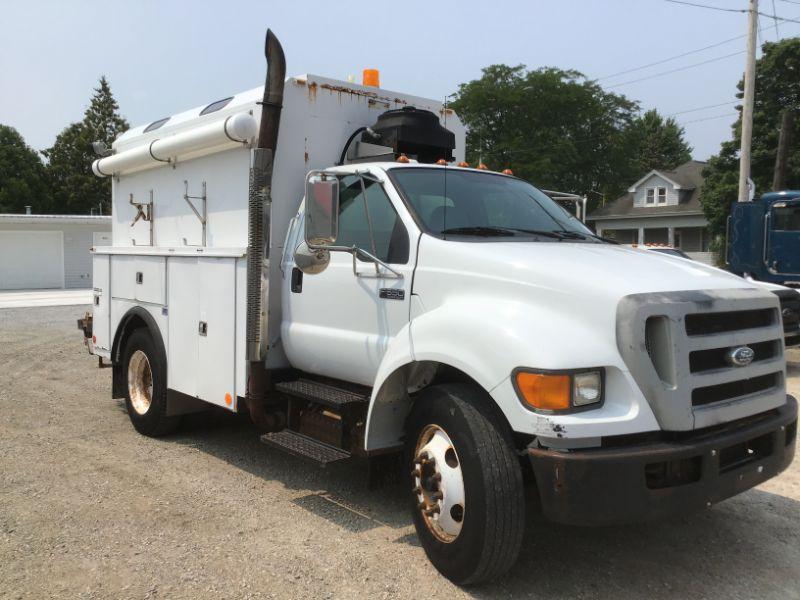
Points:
(312, 91)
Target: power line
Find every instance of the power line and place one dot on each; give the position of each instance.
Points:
(683, 112)
(777, 34)
(736, 114)
(734, 10)
(682, 55)
(684, 68)
(671, 58)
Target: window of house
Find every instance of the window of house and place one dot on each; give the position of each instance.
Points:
(390, 235)
(651, 195)
(662, 195)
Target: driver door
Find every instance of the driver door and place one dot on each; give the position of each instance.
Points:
(339, 323)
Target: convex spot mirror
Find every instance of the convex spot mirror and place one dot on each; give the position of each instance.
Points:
(322, 210)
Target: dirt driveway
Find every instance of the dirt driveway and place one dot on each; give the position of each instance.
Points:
(90, 509)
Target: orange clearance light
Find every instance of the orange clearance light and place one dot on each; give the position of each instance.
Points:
(508, 172)
(483, 167)
(441, 162)
(371, 78)
(544, 391)
(402, 159)
(464, 164)
(228, 399)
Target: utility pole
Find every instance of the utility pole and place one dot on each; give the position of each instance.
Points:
(749, 98)
(784, 143)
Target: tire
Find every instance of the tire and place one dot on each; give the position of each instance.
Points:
(486, 542)
(146, 404)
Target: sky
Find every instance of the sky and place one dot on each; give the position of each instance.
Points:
(162, 57)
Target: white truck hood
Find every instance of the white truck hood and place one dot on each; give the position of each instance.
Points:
(581, 269)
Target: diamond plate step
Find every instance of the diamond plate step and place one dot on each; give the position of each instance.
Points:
(301, 445)
(322, 393)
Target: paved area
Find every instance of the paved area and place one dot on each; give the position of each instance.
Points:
(30, 298)
(90, 509)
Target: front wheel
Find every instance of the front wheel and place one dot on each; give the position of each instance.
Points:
(467, 498)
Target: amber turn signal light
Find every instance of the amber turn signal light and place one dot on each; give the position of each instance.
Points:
(544, 391)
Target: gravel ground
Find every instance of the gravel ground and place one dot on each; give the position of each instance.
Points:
(90, 509)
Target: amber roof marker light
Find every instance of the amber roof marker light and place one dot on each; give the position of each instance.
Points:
(371, 78)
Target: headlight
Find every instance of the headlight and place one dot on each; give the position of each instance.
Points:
(559, 391)
(587, 388)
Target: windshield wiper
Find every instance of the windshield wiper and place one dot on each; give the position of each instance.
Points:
(563, 234)
(480, 230)
(558, 234)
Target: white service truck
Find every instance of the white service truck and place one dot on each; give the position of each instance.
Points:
(307, 252)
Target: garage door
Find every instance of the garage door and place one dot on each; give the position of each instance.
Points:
(31, 260)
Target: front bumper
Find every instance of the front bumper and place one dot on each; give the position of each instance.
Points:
(655, 480)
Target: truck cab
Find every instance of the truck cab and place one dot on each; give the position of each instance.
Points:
(318, 255)
(764, 238)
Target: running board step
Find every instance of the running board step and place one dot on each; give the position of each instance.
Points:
(322, 393)
(301, 445)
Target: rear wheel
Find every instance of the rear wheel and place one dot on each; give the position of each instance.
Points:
(466, 485)
(145, 370)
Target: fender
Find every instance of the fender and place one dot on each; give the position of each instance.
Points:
(135, 317)
(487, 339)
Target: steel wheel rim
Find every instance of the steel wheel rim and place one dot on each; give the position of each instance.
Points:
(140, 382)
(438, 484)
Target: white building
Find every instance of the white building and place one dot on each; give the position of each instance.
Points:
(663, 207)
(49, 251)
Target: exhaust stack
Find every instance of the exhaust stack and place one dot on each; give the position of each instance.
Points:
(260, 203)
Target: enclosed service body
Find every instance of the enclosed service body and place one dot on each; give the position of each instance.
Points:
(764, 238)
(329, 270)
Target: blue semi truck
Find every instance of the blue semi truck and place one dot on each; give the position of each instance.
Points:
(764, 238)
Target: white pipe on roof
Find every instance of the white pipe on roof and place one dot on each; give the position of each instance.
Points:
(221, 135)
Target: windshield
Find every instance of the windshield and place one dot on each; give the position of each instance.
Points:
(456, 203)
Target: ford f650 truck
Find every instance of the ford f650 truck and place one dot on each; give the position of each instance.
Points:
(309, 253)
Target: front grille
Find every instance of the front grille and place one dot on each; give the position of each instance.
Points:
(734, 389)
(716, 358)
(685, 350)
(721, 322)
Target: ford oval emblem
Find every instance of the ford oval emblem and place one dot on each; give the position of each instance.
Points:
(740, 357)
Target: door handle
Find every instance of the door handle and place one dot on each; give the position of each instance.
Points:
(297, 281)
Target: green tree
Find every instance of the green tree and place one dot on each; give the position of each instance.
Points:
(656, 143)
(76, 190)
(777, 89)
(23, 179)
(550, 126)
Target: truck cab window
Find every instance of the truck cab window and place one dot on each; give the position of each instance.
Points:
(786, 218)
(390, 235)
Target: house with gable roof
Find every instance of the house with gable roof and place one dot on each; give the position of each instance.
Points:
(663, 207)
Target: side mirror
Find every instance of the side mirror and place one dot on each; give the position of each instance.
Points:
(322, 210)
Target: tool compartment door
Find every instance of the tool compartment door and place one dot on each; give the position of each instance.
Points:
(217, 331)
(101, 314)
(183, 315)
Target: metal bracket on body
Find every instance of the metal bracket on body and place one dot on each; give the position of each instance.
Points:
(144, 211)
(203, 218)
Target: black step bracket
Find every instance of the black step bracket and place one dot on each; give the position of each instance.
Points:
(301, 445)
(322, 393)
